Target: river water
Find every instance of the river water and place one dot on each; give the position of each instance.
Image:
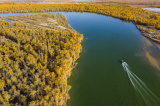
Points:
(153, 9)
(100, 78)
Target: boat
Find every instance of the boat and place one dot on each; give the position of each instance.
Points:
(122, 61)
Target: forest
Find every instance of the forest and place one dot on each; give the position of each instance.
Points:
(35, 64)
(127, 12)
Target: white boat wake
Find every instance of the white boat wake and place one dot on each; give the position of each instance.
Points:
(148, 96)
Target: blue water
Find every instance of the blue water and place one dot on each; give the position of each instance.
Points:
(153, 9)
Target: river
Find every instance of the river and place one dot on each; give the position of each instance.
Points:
(153, 9)
(100, 79)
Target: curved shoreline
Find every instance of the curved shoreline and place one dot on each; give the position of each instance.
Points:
(151, 54)
(149, 58)
(148, 48)
(153, 61)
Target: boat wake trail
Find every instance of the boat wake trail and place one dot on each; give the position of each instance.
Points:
(148, 96)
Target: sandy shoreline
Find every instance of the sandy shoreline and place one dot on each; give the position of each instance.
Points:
(152, 45)
(153, 61)
(152, 53)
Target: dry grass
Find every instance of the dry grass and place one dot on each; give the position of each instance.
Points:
(46, 21)
(40, 20)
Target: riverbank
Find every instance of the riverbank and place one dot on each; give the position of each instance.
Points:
(152, 60)
(152, 53)
(153, 34)
(150, 32)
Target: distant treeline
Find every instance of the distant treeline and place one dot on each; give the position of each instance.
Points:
(149, 3)
(30, 1)
(126, 12)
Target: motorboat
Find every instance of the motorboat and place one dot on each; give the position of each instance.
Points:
(122, 61)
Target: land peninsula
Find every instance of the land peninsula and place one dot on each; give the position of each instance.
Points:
(37, 54)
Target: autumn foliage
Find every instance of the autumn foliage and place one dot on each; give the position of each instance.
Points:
(35, 64)
(127, 12)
